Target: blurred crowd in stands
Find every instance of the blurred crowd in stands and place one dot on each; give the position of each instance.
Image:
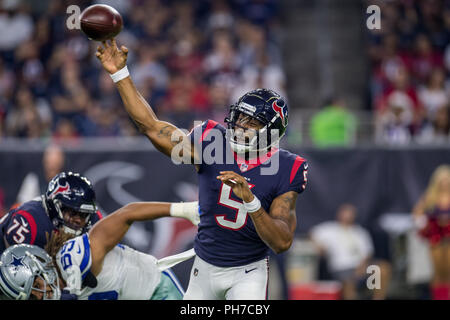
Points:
(190, 59)
(410, 66)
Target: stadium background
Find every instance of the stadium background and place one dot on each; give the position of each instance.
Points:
(344, 84)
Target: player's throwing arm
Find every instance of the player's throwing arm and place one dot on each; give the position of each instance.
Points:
(163, 135)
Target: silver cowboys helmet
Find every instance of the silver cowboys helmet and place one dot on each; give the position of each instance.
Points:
(20, 265)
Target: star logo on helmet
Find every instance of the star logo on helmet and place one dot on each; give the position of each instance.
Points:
(16, 262)
(280, 110)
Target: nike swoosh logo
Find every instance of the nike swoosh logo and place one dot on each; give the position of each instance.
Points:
(79, 250)
(247, 271)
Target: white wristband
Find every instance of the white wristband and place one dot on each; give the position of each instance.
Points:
(253, 205)
(119, 75)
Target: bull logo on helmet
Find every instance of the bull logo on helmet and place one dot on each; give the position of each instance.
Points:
(65, 189)
(278, 107)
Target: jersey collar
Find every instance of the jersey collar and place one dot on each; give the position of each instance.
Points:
(246, 165)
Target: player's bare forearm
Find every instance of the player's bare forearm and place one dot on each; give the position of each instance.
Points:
(108, 232)
(136, 106)
(163, 135)
(277, 227)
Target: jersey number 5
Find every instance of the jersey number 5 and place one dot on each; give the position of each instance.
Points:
(241, 213)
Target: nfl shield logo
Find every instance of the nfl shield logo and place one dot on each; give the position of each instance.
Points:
(244, 167)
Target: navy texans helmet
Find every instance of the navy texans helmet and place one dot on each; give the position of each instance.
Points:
(72, 193)
(266, 106)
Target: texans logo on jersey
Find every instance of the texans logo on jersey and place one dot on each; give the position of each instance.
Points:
(279, 107)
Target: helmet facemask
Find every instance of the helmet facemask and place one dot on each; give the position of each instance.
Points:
(244, 138)
(46, 280)
(65, 213)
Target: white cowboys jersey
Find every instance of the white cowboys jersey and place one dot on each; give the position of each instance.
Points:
(126, 274)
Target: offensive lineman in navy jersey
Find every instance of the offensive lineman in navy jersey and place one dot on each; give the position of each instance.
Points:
(231, 249)
(68, 203)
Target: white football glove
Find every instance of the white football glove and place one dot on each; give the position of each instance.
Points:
(187, 210)
(73, 280)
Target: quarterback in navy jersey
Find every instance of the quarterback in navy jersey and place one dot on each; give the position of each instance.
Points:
(68, 203)
(247, 186)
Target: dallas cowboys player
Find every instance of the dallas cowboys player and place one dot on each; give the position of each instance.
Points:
(68, 203)
(232, 250)
(94, 265)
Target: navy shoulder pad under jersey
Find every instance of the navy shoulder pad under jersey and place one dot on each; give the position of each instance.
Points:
(227, 236)
(28, 223)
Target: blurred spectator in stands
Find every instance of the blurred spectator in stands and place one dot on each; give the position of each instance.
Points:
(436, 131)
(70, 88)
(220, 16)
(433, 95)
(389, 59)
(394, 125)
(185, 57)
(400, 84)
(259, 12)
(35, 183)
(253, 39)
(432, 217)
(348, 249)
(219, 101)
(223, 63)
(262, 74)
(16, 25)
(31, 70)
(425, 58)
(7, 80)
(24, 120)
(65, 131)
(186, 101)
(147, 67)
(399, 114)
(334, 125)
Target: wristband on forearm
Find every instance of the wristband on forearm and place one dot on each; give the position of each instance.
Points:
(120, 75)
(253, 205)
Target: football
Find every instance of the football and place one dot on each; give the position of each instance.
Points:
(100, 22)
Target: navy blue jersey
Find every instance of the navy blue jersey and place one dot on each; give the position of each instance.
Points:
(226, 235)
(28, 223)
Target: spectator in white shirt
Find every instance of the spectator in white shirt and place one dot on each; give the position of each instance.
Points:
(348, 249)
(16, 26)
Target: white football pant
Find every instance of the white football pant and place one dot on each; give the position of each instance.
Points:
(248, 282)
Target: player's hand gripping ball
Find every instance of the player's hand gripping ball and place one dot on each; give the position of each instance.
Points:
(101, 22)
